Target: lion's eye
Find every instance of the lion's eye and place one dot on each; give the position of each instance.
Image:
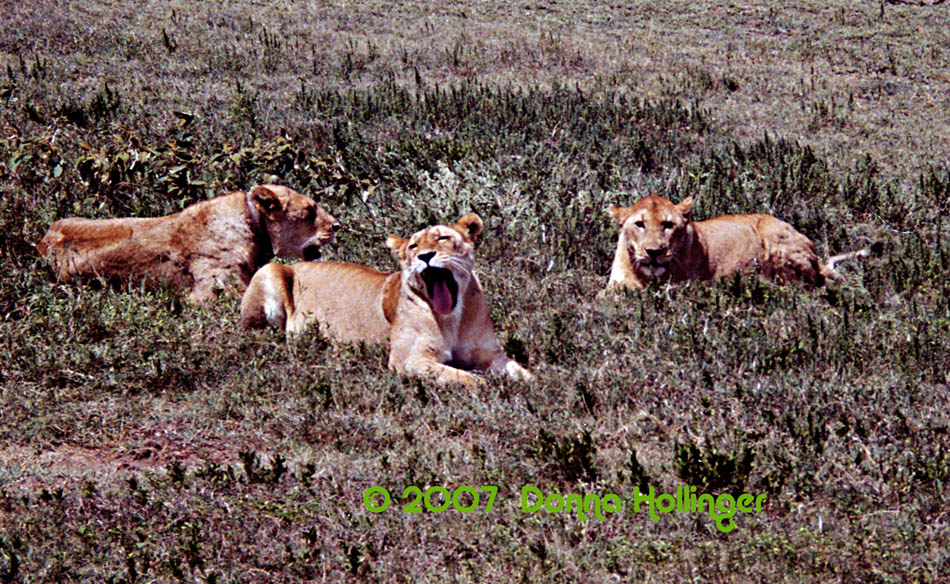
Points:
(444, 237)
(667, 225)
(413, 245)
(309, 214)
(639, 224)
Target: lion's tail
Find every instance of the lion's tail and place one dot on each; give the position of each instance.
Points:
(829, 268)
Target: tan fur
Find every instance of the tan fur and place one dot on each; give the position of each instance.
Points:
(205, 246)
(658, 240)
(428, 335)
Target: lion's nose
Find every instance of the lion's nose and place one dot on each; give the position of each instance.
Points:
(427, 256)
(655, 253)
(335, 227)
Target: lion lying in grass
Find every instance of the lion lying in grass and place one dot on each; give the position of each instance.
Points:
(205, 246)
(432, 311)
(659, 241)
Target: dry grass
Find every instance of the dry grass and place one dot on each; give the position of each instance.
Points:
(848, 79)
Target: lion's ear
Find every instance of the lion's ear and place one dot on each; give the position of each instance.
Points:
(619, 214)
(470, 225)
(685, 207)
(266, 199)
(397, 245)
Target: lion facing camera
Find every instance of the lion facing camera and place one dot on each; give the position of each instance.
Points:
(432, 310)
(658, 240)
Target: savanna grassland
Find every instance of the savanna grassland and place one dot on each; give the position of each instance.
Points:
(144, 439)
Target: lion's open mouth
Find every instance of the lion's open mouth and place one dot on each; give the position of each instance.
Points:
(442, 289)
(311, 253)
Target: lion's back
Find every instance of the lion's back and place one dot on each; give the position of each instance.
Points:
(346, 299)
(77, 246)
(743, 242)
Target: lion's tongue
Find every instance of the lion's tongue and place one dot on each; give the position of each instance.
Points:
(441, 297)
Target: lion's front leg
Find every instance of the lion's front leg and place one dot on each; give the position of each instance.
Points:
(446, 374)
(623, 276)
(439, 372)
(616, 288)
(511, 368)
(485, 353)
(419, 351)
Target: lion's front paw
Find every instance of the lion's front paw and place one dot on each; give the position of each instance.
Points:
(517, 372)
